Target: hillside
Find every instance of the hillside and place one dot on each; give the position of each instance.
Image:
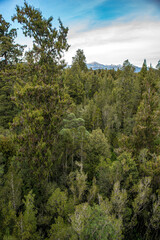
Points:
(96, 65)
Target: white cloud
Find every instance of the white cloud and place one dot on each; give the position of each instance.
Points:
(134, 40)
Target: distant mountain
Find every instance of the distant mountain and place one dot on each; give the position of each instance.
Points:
(96, 65)
(137, 69)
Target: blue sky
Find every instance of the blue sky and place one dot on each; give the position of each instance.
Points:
(109, 31)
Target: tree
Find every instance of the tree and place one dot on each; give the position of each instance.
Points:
(9, 51)
(97, 148)
(10, 185)
(141, 77)
(37, 126)
(140, 206)
(8, 109)
(10, 54)
(57, 203)
(75, 77)
(80, 218)
(126, 95)
(62, 230)
(74, 136)
(48, 42)
(93, 223)
(27, 222)
(74, 80)
(146, 129)
(78, 184)
(40, 125)
(79, 60)
(118, 200)
(158, 65)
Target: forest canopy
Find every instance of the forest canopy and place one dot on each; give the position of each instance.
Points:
(79, 148)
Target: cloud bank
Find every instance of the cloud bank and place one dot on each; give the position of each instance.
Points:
(135, 40)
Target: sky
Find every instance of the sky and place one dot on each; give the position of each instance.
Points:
(108, 31)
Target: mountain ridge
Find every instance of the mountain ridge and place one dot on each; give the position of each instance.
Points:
(95, 65)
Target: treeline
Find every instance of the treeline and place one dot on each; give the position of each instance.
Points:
(79, 148)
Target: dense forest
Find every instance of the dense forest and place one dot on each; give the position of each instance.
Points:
(79, 148)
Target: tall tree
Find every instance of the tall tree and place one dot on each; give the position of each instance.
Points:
(74, 137)
(48, 42)
(10, 54)
(80, 60)
(8, 109)
(75, 77)
(146, 130)
(125, 93)
(141, 77)
(27, 221)
(42, 98)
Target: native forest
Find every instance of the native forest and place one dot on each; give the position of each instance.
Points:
(79, 148)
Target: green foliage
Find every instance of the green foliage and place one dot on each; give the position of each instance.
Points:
(93, 192)
(49, 43)
(74, 79)
(57, 203)
(92, 116)
(79, 60)
(80, 218)
(126, 94)
(129, 170)
(8, 109)
(158, 65)
(27, 222)
(81, 147)
(100, 226)
(147, 118)
(141, 200)
(78, 184)
(39, 123)
(93, 223)
(74, 136)
(118, 199)
(9, 51)
(61, 230)
(97, 147)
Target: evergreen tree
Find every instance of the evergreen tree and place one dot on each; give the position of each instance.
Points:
(48, 42)
(125, 94)
(75, 77)
(142, 76)
(27, 222)
(42, 99)
(80, 60)
(74, 80)
(158, 65)
(9, 51)
(146, 130)
(10, 54)
(8, 109)
(97, 148)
